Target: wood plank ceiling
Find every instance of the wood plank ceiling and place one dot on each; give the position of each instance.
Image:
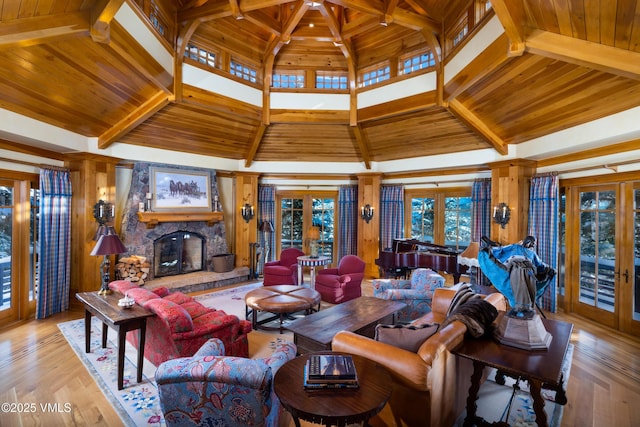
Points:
(559, 64)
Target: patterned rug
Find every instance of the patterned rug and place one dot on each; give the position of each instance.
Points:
(137, 403)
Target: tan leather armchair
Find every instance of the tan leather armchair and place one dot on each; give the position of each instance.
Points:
(430, 386)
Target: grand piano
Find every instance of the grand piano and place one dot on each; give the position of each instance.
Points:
(407, 254)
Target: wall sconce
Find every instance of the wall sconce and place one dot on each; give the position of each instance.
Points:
(366, 212)
(501, 214)
(247, 212)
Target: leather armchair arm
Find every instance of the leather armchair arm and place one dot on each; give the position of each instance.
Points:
(404, 366)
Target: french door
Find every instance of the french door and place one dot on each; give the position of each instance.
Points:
(18, 249)
(604, 284)
(298, 213)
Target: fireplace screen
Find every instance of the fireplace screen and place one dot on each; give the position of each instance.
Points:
(178, 253)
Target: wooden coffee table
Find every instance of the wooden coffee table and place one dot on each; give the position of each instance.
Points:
(360, 315)
(122, 320)
(333, 407)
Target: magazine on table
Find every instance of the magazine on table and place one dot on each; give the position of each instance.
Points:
(330, 371)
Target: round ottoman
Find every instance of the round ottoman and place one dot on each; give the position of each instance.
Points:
(281, 300)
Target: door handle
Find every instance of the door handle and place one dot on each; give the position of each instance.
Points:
(625, 274)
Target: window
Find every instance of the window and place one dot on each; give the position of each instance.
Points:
(155, 17)
(331, 80)
(243, 71)
(200, 55)
(459, 31)
(288, 80)
(442, 218)
(375, 75)
(416, 62)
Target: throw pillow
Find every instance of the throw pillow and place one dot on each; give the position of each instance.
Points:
(407, 337)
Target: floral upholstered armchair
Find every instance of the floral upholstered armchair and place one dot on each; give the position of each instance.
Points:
(416, 293)
(216, 390)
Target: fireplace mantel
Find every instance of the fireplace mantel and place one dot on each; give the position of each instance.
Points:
(154, 218)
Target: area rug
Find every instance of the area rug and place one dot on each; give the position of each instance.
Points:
(137, 403)
(500, 403)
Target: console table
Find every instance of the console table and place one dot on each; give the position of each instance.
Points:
(122, 320)
(538, 367)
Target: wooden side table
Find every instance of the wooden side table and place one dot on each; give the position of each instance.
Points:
(307, 261)
(122, 320)
(335, 406)
(538, 367)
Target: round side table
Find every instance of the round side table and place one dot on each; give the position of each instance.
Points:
(334, 406)
(308, 261)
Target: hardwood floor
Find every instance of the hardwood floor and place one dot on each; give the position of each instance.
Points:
(38, 368)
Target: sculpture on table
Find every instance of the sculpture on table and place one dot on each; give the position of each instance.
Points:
(522, 277)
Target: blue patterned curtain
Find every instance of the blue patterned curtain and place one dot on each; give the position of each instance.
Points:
(544, 203)
(481, 218)
(54, 243)
(347, 218)
(391, 214)
(267, 210)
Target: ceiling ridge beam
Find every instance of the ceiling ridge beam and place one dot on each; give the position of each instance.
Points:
(584, 53)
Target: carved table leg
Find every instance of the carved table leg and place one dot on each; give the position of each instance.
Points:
(470, 419)
(538, 403)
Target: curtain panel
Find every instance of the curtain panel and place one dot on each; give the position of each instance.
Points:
(54, 243)
(544, 205)
(267, 212)
(481, 218)
(347, 220)
(391, 214)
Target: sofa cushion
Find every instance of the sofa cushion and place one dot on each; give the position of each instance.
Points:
(140, 295)
(407, 337)
(178, 298)
(195, 309)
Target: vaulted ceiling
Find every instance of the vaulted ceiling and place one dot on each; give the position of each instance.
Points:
(71, 64)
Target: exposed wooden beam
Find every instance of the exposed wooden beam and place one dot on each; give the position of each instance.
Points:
(132, 120)
(478, 126)
(27, 149)
(608, 150)
(255, 144)
(400, 16)
(214, 10)
(363, 145)
(401, 106)
(493, 57)
(102, 13)
(511, 14)
(43, 29)
(608, 59)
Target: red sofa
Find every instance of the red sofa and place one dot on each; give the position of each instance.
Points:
(182, 325)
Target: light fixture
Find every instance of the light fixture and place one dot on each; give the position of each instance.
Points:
(267, 228)
(103, 212)
(469, 258)
(108, 244)
(501, 214)
(366, 212)
(314, 235)
(247, 212)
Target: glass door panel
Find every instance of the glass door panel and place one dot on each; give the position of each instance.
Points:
(322, 217)
(8, 300)
(292, 223)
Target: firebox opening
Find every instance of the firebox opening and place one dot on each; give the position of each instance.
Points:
(178, 253)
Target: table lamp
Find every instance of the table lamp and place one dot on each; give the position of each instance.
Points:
(108, 244)
(314, 235)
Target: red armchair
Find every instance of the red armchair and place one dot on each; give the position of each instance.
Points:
(283, 271)
(337, 285)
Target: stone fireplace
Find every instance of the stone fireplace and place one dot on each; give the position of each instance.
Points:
(180, 246)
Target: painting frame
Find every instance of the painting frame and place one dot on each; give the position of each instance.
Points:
(179, 190)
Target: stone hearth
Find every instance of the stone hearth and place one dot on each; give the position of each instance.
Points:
(200, 280)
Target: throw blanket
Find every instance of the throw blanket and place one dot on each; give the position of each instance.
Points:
(472, 310)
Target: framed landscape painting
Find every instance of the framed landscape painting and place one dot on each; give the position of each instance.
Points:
(179, 190)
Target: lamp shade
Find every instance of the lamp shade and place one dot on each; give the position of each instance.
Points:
(313, 233)
(109, 244)
(469, 256)
(266, 226)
